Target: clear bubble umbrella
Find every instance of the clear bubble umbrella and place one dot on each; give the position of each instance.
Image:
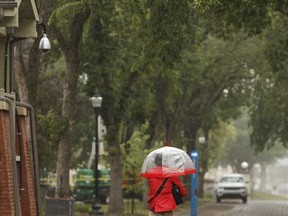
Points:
(166, 162)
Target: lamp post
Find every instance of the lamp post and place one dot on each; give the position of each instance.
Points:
(96, 104)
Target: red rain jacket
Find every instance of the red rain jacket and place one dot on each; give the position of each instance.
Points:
(164, 201)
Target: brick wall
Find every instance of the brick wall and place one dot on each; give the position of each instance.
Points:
(28, 194)
(6, 181)
(12, 201)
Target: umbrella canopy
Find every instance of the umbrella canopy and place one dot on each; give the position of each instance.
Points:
(166, 162)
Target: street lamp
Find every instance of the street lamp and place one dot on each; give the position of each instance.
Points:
(244, 165)
(225, 92)
(201, 139)
(96, 104)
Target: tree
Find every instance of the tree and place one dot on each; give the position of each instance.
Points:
(212, 149)
(131, 59)
(269, 113)
(256, 17)
(239, 150)
(233, 63)
(266, 158)
(68, 20)
(250, 15)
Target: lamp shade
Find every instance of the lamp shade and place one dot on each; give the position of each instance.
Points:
(44, 44)
(96, 101)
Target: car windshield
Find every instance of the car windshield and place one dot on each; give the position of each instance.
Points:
(231, 179)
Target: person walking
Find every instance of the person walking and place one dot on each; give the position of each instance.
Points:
(160, 199)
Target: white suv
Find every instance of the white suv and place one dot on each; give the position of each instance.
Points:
(231, 186)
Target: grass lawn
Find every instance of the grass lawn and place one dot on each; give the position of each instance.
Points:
(257, 195)
(82, 209)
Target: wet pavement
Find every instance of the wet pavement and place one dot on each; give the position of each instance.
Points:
(234, 208)
(260, 208)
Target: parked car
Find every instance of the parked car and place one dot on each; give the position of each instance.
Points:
(231, 186)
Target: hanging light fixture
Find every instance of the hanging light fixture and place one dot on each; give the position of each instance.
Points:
(44, 44)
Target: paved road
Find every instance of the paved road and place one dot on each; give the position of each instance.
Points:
(234, 208)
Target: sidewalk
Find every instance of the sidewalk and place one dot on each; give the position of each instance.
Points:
(209, 209)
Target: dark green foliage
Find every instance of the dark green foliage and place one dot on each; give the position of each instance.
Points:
(269, 116)
(234, 15)
(50, 126)
(166, 25)
(277, 44)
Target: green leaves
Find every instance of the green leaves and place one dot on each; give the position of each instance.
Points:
(133, 157)
(53, 124)
(234, 15)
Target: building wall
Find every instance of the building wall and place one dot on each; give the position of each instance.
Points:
(6, 181)
(17, 20)
(18, 193)
(28, 190)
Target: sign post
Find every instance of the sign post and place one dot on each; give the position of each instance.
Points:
(194, 185)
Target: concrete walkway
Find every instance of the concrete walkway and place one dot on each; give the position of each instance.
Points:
(237, 208)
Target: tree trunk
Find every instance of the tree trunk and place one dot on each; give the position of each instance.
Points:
(202, 171)
(70, 47)
(20, 74)
(203, 164)
(26, 70)
(116, 193)
(63, 165)
(26, 64)
(68, 109)
(263, 177)
(201, 184)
